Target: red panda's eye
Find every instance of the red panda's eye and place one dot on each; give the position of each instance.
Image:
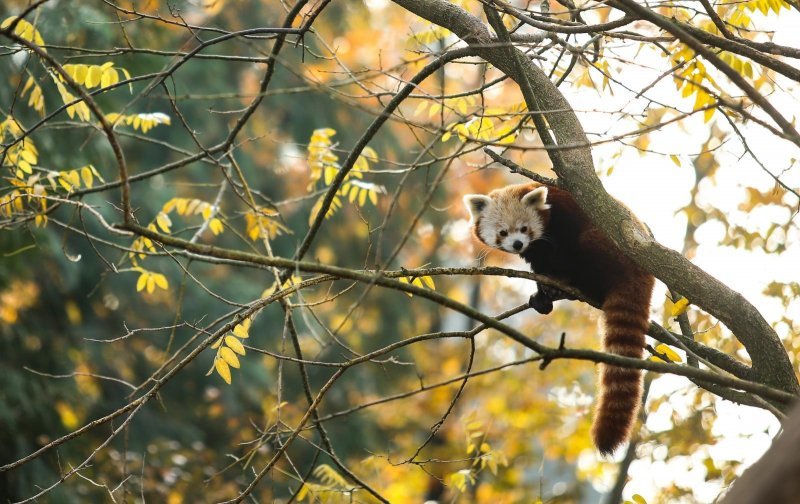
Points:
(524, 229)
(503, 233)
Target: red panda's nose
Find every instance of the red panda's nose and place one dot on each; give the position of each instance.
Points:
(517, 245)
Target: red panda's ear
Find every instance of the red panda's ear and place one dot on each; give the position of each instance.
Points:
(536, 198)
(476, 203)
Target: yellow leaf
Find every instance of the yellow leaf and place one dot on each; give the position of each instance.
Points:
(708, 114)
(505, 134)
(180, 205)
(360, 165)
(169, 205)
(216, 226)
(429, 282)
(128, 77)
(151, 283)
(79, 73)
(369, 153)
(142, 282)
(330, 174)
(160, 280)
(234, 344)
(638, 499)
(336, 203)
(748, 69)
(93, 76)
(224, 371)
(702, 100)
(66, 185)
(493, 465)
(269, 290)
(193, 206)
(24, 166)
(229, 357)
(241, 331)
(28, 156)
(88, 177)
(69, 418)
(668, 352)
(25, 30)
(109, 78)
(83, 111)
(405, 281)
(163, 222)
(30, 82)
(362, 197)
(73, 177)
(680, 307)
(675, 159)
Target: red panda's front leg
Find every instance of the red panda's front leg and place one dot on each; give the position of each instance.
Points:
(547, 259)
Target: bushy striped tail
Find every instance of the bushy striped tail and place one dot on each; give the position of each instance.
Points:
(620, 389)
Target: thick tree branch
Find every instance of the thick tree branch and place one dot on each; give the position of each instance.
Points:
(771, 364)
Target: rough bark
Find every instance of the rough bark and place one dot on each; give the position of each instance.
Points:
(573, 163)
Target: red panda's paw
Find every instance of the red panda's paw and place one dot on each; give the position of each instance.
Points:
(541, 303)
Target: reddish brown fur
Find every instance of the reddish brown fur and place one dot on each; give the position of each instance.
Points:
(577, 253)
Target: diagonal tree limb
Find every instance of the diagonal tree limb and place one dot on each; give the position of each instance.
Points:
(771, 364)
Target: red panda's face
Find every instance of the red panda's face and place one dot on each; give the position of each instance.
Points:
(509, 219)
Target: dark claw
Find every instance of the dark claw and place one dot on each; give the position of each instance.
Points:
(541, 303)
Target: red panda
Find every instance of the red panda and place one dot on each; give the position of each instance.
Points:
(545, 226)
